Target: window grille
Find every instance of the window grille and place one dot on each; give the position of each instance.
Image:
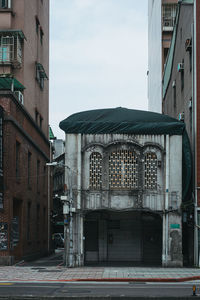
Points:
(95, 170)
(6, 49)
(123, 170)
(150, 172)
(169, 14)
(10, 49)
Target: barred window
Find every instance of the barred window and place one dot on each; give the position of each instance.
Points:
(150, 171)
(123, 170)
(95, 170)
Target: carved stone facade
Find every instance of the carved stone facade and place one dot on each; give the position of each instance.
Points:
(127, 195)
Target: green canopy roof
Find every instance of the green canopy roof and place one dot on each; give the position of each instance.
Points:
(6, 84)
(121, 120)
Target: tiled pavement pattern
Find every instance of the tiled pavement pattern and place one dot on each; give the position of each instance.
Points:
(57, 273)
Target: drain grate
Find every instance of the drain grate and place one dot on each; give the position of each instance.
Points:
(77, 291)
(49, 271)
(38, 268)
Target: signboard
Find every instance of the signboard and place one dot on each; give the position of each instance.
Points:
(175, 226)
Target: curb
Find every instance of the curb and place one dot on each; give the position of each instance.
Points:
(191, 278)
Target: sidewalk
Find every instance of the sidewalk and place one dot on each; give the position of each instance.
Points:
(42, 270)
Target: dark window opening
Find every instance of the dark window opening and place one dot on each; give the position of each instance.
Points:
(29, 169)
(41, 36)
(29, 222)
(166, 50)
(17, 160)
(38, 174)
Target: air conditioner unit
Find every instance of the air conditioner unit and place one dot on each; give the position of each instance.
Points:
(180, 67)
(20, 96)
(190, 104)
(188, 45)
(166, 24)
(181, 116)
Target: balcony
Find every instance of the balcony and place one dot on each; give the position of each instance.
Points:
(168, 16)
(11, 48)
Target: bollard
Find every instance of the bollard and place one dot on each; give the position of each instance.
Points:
(194, 290)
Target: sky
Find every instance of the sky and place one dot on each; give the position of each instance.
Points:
(98, 56)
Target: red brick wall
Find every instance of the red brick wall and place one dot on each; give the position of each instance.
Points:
(17, 192)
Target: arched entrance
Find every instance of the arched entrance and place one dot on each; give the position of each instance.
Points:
(128, 237)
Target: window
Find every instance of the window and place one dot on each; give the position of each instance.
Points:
(40, 75)
(41, 36)
(38, 174)
(123, 170)
(5, 4)
(17, 159)
(38, 222)
(11, 49)
(44, 221)
(29, 169)
(95, 170)
(44, 178)
(6, 49)
(150, 171)
(41, 120)
(29, 222)
(166, 50)
(169, 14)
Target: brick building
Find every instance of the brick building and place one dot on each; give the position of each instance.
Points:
(181, 98)
(24, 89)
(161, 17)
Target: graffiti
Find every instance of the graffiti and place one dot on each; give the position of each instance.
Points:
(175, 244)
(3, 236)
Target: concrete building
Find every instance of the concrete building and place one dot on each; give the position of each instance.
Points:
(161, 17)
(24, 92)
(125, 190)
(181, 98)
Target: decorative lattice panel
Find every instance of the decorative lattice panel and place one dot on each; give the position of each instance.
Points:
(123, 170)
(95, 170)
(150, 172)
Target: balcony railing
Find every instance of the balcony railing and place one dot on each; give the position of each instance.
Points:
(10, 49)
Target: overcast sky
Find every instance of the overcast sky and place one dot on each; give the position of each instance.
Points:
(98, 56)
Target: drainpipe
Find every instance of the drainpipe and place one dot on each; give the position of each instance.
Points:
(196, 259)
(167, 201)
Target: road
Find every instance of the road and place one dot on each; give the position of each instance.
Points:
(99, 290)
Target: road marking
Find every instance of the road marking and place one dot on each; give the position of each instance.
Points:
(6, 283)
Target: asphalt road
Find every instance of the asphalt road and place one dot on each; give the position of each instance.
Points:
(97, 290)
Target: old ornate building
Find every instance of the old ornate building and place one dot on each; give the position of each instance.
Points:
(125, 189)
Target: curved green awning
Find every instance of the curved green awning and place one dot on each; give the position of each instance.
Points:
(6, 84)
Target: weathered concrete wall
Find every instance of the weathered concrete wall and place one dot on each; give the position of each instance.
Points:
(165, 198)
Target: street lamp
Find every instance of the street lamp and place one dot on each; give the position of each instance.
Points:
(67, 201)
